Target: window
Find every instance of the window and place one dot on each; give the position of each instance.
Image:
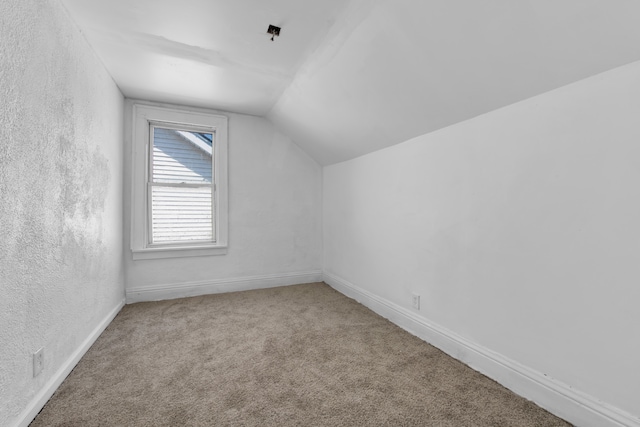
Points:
(179, 194)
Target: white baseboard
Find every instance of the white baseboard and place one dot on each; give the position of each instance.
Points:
(52, 385)
(556, 397)
(205, 287)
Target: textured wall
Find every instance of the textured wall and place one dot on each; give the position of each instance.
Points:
(274, 212)
(61, 195)
(519, 229)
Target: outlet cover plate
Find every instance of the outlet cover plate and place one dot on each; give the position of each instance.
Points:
(38, 362)
(415, 301)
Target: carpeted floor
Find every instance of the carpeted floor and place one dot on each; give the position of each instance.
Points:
(294, 356)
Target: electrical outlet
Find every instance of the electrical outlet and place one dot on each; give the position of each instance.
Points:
(415, 300)
(38, 362)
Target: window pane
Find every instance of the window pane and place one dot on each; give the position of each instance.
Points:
(181, 156)
(181, 214)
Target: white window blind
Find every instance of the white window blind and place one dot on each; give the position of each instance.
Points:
(181, 188)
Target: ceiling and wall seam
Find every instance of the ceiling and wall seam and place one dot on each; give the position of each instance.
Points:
(346, 78)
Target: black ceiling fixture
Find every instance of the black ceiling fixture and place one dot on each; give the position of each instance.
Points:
(274, 31)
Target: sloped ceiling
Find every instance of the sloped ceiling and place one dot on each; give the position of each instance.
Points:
(350, 77)
(204, 53)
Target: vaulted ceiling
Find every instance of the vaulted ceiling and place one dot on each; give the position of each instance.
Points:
(347, 77)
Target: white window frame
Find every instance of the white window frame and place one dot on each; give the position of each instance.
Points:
(144, 117)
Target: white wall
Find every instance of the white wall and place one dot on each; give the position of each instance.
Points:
(61, 270)
(520, 229)
(275, 237)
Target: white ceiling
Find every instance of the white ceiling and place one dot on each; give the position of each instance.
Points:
(348, 77)
(207, 53)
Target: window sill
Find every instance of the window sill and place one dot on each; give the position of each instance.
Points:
(178, 252)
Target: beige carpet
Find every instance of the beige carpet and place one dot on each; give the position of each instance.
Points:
(294, 356)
